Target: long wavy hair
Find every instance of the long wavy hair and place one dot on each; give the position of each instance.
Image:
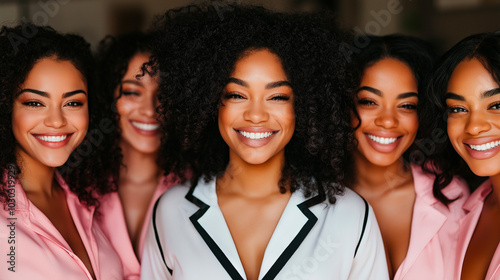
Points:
(484, 47)
(194, 53)
(113, 57)
(21, 47)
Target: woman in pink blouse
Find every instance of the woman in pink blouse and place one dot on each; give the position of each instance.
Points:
(466, 93)
(134, 145)
(46, 95)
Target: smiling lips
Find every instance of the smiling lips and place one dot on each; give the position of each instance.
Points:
(146, 128)
(484, 150)
(257, 138)
(383, 144)
(382, 140)
(486, 146)
(53, 141)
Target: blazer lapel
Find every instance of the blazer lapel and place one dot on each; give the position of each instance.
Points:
(426, 220)
(293, 227)
(212, 227)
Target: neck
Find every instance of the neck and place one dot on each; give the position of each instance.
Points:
(138, 167)
(35, 177)
(379, 178)
(252, 180)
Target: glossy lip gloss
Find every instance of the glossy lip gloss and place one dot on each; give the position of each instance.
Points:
(383, 148)
(485, 154)
(256, 143)
(145, 132)
(54, 143)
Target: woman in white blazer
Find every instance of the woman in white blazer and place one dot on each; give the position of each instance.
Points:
(256, 106)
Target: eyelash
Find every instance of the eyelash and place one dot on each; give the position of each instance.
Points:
(233, 95)
(128, 93)
(33, 104)
(281, 97)
(409, 106)
(74, 104)
(455, 110)
(497, 105)
(366, 102)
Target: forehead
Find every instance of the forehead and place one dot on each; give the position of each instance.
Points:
(470, 78)
(390, 75)
(50, 74)
(259, 60)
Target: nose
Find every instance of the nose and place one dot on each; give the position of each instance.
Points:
(148, 106)
(386, 119)
(55, 118)
(256, 112)
(477, 123)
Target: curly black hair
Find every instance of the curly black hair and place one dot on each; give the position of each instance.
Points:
(194, 53)
(113, 57)
(20, 49)
(485, 48)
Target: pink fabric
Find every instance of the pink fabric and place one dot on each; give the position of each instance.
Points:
(473, 208)
(433, 231)
(112, 221)
(40, 250)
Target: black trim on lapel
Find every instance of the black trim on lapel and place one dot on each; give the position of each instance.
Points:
(364, 227)
(157, 236)
(283, 258)
(294, 245)
(228, 266)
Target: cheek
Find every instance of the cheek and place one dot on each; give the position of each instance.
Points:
(124, 107)
(80, 120)
(454, 129)
(411, 124)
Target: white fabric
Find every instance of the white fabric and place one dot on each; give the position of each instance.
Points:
(329, 234)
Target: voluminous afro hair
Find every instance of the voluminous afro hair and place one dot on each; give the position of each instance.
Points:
(194, 54)
(113, 57)
(484, 47)
(21, 47)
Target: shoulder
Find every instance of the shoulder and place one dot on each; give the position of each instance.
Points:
(349, 207)
(352, 202)
(172, 197)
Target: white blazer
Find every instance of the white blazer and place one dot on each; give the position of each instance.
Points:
(189, 239)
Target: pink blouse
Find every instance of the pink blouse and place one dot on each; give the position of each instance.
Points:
(434, 230)
(112, 222)
(32, 248)
(474, 206)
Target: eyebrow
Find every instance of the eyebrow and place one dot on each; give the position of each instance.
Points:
(490, 93)
(268, 86)
(44, 94)
(379, 93)
(454, 96)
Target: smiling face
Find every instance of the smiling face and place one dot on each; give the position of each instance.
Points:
(257, 119)
(50, 113)
(387, 105)
(473, 101)
(140, 129)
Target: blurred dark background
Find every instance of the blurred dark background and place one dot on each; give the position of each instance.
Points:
(443, 22)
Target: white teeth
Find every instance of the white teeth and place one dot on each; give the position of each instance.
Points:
(146, 126)
(382, 140)
(253, 135)
(486, 146)
(52, 138)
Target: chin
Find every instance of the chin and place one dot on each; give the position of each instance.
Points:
(483, 171)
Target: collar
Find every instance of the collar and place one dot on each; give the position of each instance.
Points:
(293, 227)
(477, 198)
